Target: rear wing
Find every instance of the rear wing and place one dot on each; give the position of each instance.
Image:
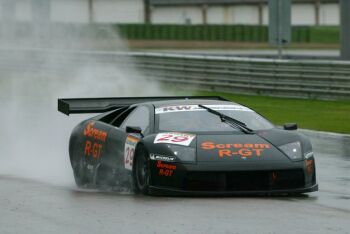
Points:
(99, 105)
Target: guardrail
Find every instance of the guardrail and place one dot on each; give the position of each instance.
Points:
(287, 78)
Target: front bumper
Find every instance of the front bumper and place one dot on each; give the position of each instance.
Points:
(233, 179)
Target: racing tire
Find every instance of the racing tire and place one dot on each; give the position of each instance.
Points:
(141, 170)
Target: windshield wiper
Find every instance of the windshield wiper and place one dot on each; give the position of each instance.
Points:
(229, 120)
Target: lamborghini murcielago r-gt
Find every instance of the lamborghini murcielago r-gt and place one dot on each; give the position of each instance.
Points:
(186, 145)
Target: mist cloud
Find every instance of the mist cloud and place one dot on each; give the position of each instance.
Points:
(34, 136)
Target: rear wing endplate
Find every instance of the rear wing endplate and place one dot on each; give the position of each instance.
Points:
(99, 105)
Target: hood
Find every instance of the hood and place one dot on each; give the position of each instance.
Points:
(236, 148)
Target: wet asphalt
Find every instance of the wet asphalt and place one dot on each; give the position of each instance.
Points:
(28, 206)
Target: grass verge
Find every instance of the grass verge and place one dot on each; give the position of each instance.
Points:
(330, 116)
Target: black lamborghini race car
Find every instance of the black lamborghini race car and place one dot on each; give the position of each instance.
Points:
(186, 145)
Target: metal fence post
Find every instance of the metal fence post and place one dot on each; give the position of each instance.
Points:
(345, 29)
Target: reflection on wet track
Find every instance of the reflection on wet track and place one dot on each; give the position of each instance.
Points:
(333, 172)
(32, 207)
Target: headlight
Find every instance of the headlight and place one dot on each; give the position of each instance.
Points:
(183, 153)
(308, 155)
(292, 150)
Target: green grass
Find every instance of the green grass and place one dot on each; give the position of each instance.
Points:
(330, 116)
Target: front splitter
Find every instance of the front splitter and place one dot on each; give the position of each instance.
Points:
(153, 190)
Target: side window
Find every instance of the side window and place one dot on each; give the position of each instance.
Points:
(140, 117)
(121, 117)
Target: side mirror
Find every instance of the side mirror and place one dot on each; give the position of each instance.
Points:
(132, 129)
(290, 126)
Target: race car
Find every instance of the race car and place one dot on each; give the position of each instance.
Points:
(186, 146)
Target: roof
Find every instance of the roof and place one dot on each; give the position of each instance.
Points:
(99, 105)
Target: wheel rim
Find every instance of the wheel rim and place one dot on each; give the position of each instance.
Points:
(142, 171)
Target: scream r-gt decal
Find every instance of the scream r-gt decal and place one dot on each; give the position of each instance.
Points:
(175, 138)
(129, 151)
(94, 133)
(165, 169)
(95, 140)
(235, 149)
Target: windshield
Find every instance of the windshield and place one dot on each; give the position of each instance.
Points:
(191, 118)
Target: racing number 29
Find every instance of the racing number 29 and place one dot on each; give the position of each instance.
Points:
(129, 155)
(173, 138)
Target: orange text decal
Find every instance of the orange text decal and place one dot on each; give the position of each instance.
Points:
(242, 150)
(95, 133)
(165, 169)
(94, 146)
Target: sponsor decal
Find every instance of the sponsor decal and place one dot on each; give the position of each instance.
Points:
(94, 133)
(181, 108)
(165, 169)
(235, 149)
(168, 109)
(95, 140)
(175, 138)
(163, 158)
(129, 151)
(93, 149)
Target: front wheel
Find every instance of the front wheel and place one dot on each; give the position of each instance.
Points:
(141, 171)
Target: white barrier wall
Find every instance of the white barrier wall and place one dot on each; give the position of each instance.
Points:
(132, 11)
(76, 11)
(103, 11)
(303, 14)
(329, 14)
(121, 11)
(217, 15)
(236, 15)
(244, 15)
(23, 10)
(177, 15)
(265, 15)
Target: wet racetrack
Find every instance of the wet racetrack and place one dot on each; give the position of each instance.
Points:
(28, 206)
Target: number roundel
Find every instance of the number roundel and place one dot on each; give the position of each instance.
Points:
(129, 155)
(129, 151)
(174, 138)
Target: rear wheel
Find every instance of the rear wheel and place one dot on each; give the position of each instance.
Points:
(141, 171)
